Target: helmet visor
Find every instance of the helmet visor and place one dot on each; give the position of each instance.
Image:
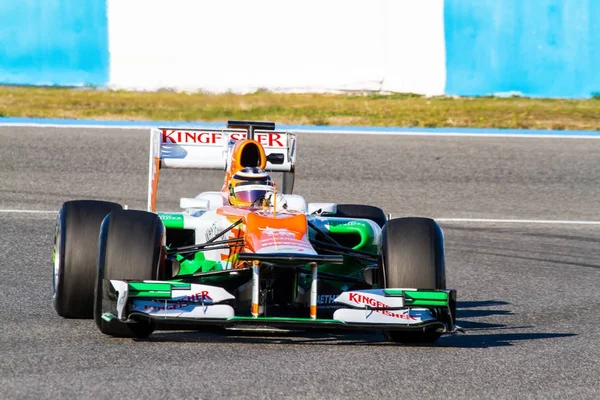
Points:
(252, 193)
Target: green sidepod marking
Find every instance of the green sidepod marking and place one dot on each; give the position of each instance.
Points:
(362, 228)
(420, 297)
(281, 319)
(172, 220)
(351, 267)
(198, 263)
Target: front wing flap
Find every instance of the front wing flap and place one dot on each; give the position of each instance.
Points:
(162, 301)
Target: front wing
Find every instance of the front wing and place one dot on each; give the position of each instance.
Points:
(178, 302)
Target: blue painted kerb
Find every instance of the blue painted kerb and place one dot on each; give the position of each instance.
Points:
(321, 128)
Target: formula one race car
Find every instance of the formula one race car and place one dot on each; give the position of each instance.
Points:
(249, 254)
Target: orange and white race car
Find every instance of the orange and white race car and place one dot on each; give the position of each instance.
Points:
(250, 253)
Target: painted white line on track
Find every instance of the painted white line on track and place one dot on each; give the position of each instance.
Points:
(450, 134)
(458, 133)
(518, 221)
(35, 125)
(442, 219)
(28, 212)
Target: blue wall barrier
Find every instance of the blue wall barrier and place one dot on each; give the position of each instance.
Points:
(542, 48)
(546, 48)
(54, 42)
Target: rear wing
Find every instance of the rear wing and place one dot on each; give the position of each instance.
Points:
(211, 149)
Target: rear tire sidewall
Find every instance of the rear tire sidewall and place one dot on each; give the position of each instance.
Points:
(131, 247)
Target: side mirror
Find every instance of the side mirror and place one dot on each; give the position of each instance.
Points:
(276, 158)
(322, 208)
(186, 202)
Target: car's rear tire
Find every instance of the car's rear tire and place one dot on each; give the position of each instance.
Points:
(413, 257)
(373, 213)
(75, 254)
(131, 247)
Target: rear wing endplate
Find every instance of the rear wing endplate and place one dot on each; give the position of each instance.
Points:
(211, 149)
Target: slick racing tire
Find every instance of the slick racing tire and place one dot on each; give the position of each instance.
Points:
(75, 255)
(375, 214)
(412, 257)
(131, 247)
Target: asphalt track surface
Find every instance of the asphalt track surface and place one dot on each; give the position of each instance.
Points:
(528, 292)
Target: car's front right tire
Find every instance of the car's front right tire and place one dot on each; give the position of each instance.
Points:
(412, 252)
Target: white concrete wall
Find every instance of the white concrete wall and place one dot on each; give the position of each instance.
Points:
(279, 45)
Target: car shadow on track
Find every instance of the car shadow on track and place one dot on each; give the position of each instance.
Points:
(484, 334)
(486, 340)
(480, 334)
(467, 310)
(468, 340)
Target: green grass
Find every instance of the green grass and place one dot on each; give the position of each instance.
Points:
(319, 109)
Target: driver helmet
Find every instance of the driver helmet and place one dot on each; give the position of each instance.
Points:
(249, 186)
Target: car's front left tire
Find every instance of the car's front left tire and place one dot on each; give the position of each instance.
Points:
(75, 254)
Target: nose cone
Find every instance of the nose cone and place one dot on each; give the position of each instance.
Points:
(280, 233)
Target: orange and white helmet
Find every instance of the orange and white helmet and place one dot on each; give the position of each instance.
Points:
(249, 186)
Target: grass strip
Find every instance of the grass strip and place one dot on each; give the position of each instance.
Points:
(400, 110)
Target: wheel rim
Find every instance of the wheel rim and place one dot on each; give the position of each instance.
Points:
(56, 260)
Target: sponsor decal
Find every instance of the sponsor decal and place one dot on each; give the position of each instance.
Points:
(362, 299)
(211, 231)
(171, 306)
(277, 237)
(325, 301)
(326, 298)
(171, 220)
(203, 297)
(170, 217)
(277, 231)
(283, 241)
(172, 136)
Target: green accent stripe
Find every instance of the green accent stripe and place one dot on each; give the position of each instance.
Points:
(146, 286)
(429, 303)
(108, 317)
(418, 294)
(150, 290)
(393, 292)
(150, 295)
(440, 296)
(437, 298)
(181, 285)
(161, 290)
